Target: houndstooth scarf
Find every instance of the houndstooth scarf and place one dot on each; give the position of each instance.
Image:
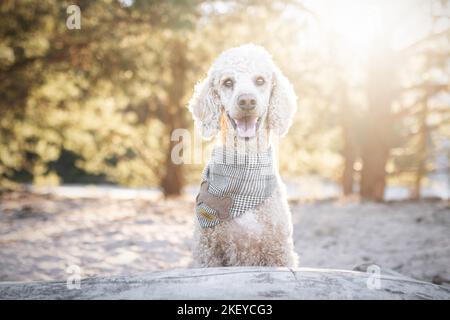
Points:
(233, 183)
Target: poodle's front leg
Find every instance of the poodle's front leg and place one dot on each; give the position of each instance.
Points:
(264, 252)
(280, 254)
(207, 251)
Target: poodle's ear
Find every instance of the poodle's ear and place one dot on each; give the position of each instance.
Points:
(283, 104)
(205, 108)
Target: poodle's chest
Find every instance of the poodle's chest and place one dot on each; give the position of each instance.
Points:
(232, 184)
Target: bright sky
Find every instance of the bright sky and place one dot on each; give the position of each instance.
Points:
(357, 22)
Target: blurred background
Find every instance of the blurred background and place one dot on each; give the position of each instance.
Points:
(98, 104)
(86, 116)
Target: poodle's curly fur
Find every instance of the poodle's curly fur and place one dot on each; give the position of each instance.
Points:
(261, 236)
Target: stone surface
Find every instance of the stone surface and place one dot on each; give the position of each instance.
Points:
(232, 283)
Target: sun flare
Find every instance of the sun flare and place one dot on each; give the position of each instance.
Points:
(354, 24)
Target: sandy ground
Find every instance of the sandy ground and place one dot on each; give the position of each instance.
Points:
(41, 235)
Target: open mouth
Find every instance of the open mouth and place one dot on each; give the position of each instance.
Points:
(246, 126)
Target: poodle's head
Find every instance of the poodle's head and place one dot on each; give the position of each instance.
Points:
(246, 88)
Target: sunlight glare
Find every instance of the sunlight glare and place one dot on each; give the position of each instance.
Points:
(355, 24)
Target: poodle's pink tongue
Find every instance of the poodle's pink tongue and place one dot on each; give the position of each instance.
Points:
(246, 127)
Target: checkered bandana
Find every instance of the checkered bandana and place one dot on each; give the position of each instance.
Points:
(233, 183)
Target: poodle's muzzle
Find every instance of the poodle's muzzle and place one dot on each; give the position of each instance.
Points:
(246, 102)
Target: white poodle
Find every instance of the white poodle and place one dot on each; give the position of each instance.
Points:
(243, 218)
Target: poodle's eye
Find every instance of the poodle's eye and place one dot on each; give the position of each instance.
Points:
(228, 83)
(260, 81)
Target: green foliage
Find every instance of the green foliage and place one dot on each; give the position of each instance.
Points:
(99, 92)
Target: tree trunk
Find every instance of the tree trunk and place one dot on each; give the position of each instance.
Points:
(378, 124)
(348, 137)
(235, 283)
(348, 173)
(172, 181)
(373, 174)
(422, 151)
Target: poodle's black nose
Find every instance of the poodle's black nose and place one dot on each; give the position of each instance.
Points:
(247, 102)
